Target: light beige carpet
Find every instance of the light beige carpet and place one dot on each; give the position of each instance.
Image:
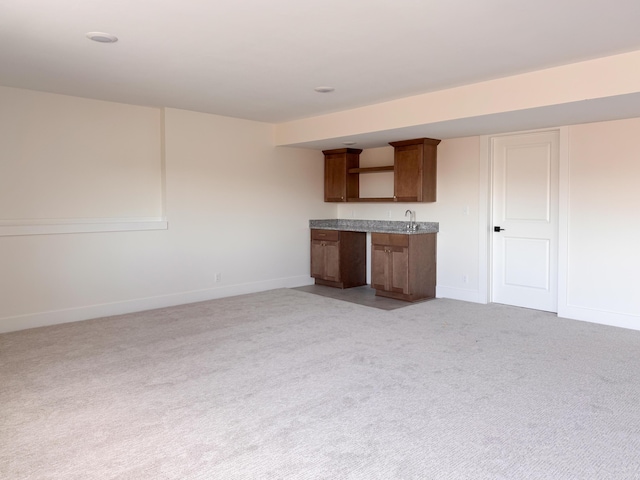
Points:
(290, 385)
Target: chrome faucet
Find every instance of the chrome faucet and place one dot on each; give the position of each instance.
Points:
(412, 219)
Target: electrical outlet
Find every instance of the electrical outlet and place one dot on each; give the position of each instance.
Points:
(217, 277)
(465, 278)
(388, 213)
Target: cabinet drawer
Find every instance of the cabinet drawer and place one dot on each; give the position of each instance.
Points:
(330, 235)
(392, 239)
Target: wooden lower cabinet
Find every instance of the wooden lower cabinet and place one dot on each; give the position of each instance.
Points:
(338, 258)
(404, 266)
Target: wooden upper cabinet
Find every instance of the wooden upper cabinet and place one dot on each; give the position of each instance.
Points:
(339, 184)
(415, 170)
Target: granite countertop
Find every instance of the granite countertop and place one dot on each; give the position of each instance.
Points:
(377, 226)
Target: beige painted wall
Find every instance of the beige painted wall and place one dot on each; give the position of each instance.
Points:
(603, 228)
(239, 206)
(236, 205)
(68, 157)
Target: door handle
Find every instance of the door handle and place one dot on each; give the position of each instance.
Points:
(497, 229)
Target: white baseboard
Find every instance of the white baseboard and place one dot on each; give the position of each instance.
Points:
(459, 294)
(603, 317)
(54, 317)
(571, 312)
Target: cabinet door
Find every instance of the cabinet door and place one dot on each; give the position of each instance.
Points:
(390, 268)
(325, 260)
(335, 178)
(408, 173)
(399, 270)
(332, 261)
(379, 267)
(339, 184)
(415, 170)
(317, 258)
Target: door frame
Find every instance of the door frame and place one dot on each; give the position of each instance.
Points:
(485, 217)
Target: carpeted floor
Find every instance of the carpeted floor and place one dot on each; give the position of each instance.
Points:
(289, 385)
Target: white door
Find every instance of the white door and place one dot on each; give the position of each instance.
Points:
(525, 220)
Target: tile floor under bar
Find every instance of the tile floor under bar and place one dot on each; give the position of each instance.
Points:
(364, 295)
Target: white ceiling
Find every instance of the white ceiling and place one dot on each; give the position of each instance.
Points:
(260, 60)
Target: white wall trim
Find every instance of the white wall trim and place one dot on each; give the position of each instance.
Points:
(564, 186)
(603, 317)
(163, 162)
(485, 206)
(56, 226)
(54, 317)
(463, 294)
(11, 228)
(484, 220)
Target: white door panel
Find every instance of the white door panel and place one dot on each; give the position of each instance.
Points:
(526, 262)
(527, 179)
(525, 207)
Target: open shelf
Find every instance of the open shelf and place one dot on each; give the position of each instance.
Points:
(371, 199)
(386, 168)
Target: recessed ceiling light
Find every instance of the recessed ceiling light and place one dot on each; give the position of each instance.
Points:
(348, 143)
(102, 37)
(324, 89)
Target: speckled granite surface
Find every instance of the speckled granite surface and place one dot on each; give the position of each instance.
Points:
(378, 226)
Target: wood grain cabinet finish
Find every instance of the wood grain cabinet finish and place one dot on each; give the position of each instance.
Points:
(339, 184)
(338, 258)
(404, 266)
(415, 170)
